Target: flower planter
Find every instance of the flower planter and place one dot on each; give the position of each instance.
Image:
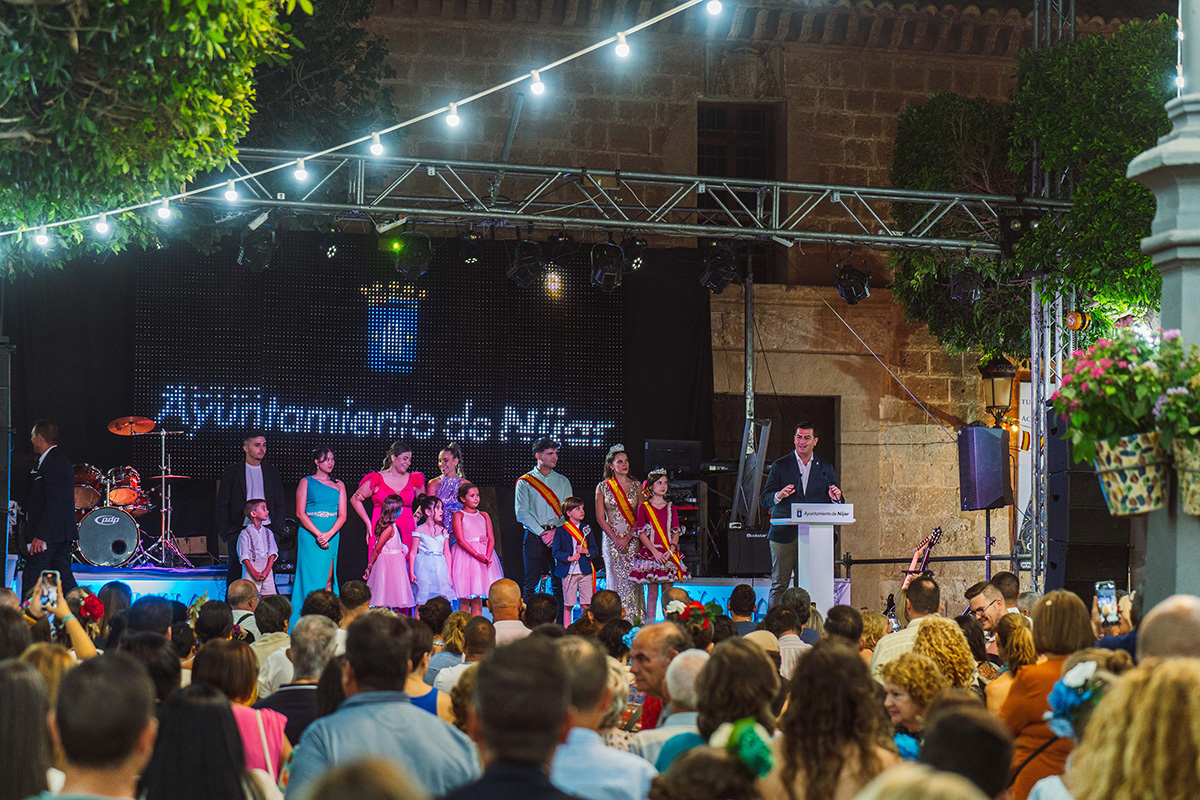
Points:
(1133, 474)
(1187, 464)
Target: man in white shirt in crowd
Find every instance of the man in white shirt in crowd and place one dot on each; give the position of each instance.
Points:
(506, 605)
(922, 599)
(242, 596)
(682, 674)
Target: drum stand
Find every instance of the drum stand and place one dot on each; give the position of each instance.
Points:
(162, 551)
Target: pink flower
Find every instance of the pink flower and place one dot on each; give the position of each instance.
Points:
(1173, 333)
(1075, 404)
(1106, 362)
(1122, 364)
(1067, 379)
(1084, 386)
(1104, 342)
(1076, 354)
(1082, 366)
(1054, 397)
(1097, 372)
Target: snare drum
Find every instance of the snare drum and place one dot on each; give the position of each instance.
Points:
(108, 537)
(87, 486)
(142, 505)
(125, 485)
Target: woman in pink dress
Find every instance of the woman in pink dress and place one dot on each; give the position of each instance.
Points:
(393, 478)
(387, 568)
(474, 566)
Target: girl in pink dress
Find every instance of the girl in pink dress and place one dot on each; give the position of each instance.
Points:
(393, 478)
(474, 566)
(387, 569)
(658, 562)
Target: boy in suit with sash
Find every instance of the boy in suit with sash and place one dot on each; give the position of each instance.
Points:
(798, 477)
(573, 548)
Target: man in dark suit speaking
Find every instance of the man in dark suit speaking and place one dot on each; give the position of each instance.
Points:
(798, 477)
(51, 521)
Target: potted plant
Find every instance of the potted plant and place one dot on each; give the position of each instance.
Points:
(1107, 395)
(1177, 411)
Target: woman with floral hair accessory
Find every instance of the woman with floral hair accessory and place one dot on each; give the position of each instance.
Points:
(618, 498)
(659, 562)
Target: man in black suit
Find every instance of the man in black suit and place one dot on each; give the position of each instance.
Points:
(248, 479)
(522, 700)
(798, 477)
(51, 519)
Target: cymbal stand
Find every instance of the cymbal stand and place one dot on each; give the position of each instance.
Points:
(162, 551)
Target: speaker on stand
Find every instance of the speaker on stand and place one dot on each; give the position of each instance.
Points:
(984, 478)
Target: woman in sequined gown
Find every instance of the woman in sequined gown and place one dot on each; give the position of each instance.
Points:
(445, 486)
(616, 518)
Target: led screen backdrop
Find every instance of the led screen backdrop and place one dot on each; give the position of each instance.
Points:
(340, 351)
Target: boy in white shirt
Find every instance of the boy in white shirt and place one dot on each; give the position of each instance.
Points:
(256, 548)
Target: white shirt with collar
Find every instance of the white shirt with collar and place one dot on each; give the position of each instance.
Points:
(804, 470)
(43, 456)
(894, 645)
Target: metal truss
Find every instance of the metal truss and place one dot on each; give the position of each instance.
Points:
(481, 194)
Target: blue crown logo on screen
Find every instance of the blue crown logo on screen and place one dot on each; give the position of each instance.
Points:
(392, 326)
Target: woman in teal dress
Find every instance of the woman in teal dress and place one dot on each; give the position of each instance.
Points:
(321, 510)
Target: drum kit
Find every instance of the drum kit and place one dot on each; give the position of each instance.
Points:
(108, 503)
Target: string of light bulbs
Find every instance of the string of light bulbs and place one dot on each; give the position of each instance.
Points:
(162, 205)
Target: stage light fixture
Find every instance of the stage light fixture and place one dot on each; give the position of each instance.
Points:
(376, 145)
(101, 225)
(852, 283)
(536, 86)
(608, 265)
(258, 220)
(452, 118)
(714, 7)
(384, 227)
(559, 248)
(414, 254)
(256, 249)
(527, 264)
(468, 247)
(719, 269)
(164, 209)
(41, 239)
(634, 248)
(554, 284)
(301, 174)
(622, 46)
(230, 191)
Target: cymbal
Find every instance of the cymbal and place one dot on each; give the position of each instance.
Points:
(169, 477)
(128, 426)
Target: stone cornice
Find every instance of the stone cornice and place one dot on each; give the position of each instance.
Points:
(969, 29)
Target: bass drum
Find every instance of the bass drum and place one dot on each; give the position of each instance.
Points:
(108, 537)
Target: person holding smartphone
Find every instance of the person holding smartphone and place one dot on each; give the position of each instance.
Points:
(50, 597)
(51, 517)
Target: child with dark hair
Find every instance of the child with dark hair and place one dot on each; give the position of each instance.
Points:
(573, 548)
(474, 566)
(256, 547)
(429, 556)
(387, 570)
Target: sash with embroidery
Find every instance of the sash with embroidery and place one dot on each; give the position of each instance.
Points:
(544, 490)
(662, 534)
(622, 501)
(579, 537)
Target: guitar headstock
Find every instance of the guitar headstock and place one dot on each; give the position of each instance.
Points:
(935, 537)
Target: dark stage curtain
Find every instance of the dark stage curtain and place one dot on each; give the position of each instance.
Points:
(668, 355)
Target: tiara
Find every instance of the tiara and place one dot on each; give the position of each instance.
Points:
(616, 448)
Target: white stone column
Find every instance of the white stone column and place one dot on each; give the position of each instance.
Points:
(1171, 170)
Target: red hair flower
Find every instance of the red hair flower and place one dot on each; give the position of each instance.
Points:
(93, 608)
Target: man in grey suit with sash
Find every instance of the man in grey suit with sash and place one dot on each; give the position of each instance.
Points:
(798, 477)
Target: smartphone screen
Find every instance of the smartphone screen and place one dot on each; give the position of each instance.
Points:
(50, 587)
(1106, 601)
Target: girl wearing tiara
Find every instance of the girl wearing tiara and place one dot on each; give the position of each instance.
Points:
(658, 561)
(387, 568)
(429, 558)
(473, 563)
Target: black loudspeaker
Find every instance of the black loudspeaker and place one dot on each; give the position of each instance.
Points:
(984, 476)
(1086, 543)
(749, 551)
(1058, 446)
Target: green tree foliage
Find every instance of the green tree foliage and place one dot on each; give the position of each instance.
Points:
(330, 89)
(107, 103)
(1091, 105)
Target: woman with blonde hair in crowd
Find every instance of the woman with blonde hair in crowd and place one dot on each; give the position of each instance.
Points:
(911, 683)
(1062, 625)
(1143, 740)
(52, 661)
(919, 782)
(831, 730)
(451, 653)
(1014, 639)
(944, 642)
(875, 627)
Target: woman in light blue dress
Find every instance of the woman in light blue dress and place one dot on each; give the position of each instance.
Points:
(321, 510)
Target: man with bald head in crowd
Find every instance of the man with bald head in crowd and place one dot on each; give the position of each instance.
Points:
(242, 597)
(506, 605)
(654, 647)
(1171, 629)
(680, 689)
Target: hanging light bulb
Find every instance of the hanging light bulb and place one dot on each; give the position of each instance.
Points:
(230, 191)
(301, 173)
(452, 117)
(537, 87)
(101, 225)
(42, 238)
(714, 7)
(376, 145)
(622, 45)
(164, 209)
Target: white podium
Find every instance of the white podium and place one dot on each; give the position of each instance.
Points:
(814, 546)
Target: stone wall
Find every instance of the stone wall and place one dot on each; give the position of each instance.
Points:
(897, 466)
